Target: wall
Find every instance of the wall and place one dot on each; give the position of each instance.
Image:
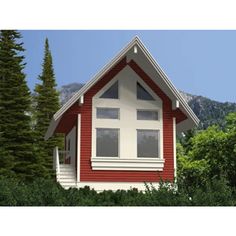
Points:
(72, 137)
(86, 173)
(128, 105)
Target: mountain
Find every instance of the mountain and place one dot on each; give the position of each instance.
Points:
(208, 111)
(67, 91)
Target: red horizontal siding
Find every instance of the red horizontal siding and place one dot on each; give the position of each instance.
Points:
(86, 172)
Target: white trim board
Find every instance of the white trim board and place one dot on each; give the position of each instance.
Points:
(101, 186)
(137, 43)
(131, 164)
(174, 147)
(78, 146)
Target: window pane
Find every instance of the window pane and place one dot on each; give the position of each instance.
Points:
(147, 115)
(112, 92)
(147, 143)
(107, 142)
(142, 93)
(108, 113)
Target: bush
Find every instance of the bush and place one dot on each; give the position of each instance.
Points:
(214, 193)
(43, 192)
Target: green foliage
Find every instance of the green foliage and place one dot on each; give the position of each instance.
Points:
(43, 192)
(210, 153)
(16, 140)
(191, 172)
(46, 103)
(214, 193)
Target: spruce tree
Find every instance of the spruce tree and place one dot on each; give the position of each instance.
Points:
(16, 141)
(46, 104)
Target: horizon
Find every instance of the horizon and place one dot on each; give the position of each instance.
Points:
(204, 56)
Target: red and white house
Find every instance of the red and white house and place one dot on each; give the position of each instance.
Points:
(120, 128)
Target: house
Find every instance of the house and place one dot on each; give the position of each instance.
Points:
(120, 128)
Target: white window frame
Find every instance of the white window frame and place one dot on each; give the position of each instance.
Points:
(155, 110)
(108, 108)
(151, 94)
(118, 143)
(158, 142)
(106, 87)
(127, 125)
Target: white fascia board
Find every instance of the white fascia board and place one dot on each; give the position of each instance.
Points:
(51, 128)
(170, 85)
(107, 67)
(91, 82)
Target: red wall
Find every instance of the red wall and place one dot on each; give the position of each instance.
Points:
(86, 172)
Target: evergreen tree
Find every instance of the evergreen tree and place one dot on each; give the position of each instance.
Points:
(16, 141)
(46, 104)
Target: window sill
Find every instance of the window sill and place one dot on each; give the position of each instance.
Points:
(135, 164)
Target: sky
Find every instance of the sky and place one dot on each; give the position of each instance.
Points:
(197, 62)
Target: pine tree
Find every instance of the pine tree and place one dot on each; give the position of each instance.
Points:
(46, 104)
(16, 140)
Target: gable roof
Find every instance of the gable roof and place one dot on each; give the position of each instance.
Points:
(137, 46)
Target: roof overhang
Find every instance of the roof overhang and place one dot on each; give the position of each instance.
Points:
(137, 51)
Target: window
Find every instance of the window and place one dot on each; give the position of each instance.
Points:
(108, 113)
(147, 142)
(112, 92)
(107, 142)
(147, 115)
(68, 145)
(142, 93)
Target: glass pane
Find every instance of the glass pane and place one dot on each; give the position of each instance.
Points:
(147, 143)
(107, 142)
(142, 93)
(147, 115)
(112, 92)
(108, 113)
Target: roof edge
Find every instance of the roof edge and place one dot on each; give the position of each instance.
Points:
(103, 71)
(173, 89)
(136, 40)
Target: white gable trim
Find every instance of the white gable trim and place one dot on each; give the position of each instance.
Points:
(135, 42)
(170, 85)
(90, 83)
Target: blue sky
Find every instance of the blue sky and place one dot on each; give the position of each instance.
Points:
(198, 62)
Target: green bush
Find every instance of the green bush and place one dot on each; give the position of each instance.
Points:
(214, 193)
(43, 192)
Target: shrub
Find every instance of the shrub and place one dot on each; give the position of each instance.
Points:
(214, 193)
(43, 192)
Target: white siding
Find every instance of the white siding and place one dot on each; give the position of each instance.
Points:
(128, 123)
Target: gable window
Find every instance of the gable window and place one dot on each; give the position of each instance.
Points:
(147, 143)
(142, 93)
(112, 92)
(107, 142)
(108, 113)
(147, 115)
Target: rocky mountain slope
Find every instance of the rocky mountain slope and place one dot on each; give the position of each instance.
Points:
(208, 111)
(67, 91)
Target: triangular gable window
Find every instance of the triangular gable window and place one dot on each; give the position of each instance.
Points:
(142, 93)
(112, 92)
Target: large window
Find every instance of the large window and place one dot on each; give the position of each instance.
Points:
(148, 143)
(147, 115)
(142, 93)
(112, 92)
(107, 142)
(107, 113)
